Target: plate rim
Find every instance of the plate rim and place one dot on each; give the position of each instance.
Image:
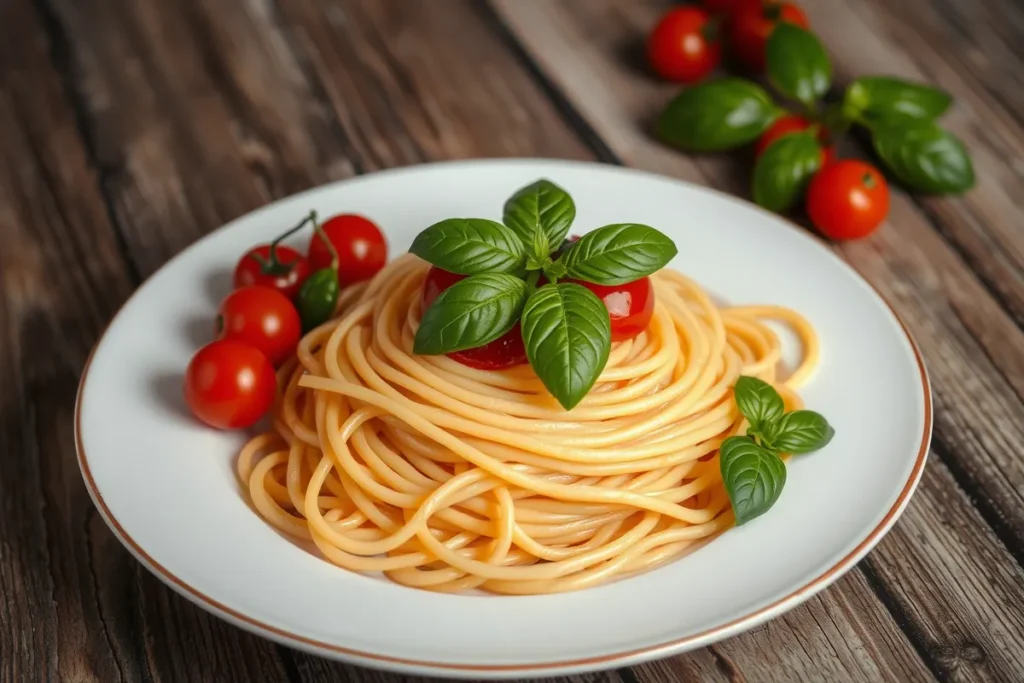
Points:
(618, 658)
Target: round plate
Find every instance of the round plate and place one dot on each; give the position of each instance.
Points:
(166, 484)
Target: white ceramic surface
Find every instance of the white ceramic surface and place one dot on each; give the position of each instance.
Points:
(165, 484)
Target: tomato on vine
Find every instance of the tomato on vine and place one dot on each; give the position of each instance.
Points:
(272, 265)
(847, 199)
(753, 21)
(229, 385)
(262, 318)
(360, 246)
(684, 46)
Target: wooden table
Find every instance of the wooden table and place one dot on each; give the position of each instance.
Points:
(130, 128)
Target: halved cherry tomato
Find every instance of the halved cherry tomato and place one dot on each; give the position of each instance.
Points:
(847, 199)
(684, 45)
(752, 23)
(793, 123)
(362, 249)
(284, 271)
(262, 318)
(229, 385)
(630, 306)
(506, 351)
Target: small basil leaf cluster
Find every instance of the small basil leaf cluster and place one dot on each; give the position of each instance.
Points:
(899, 116)
(752, 470)
(565, 326)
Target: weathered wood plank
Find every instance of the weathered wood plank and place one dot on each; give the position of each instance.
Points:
(945, 304)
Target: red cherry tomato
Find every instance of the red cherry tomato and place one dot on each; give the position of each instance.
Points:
(285, 273)
(847, 199)
(752, 23)
(229, 385)
(684, 46)
(630, 306)
(506, 351)
(262, 318)
(362, 249)
(793, 123)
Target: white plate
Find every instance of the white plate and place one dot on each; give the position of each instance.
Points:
(166, 485)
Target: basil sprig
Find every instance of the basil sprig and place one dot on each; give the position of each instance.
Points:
(565, 326)
(752, 470)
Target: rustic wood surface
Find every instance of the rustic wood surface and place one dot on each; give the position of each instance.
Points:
(129, 128)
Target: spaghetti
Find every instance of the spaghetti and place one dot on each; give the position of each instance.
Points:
(449, 478)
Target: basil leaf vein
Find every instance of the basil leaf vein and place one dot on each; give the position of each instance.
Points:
(758, 402)
(753, 477)
(619, 253)
(801, 431)
(471, 313)
(567, 333)
(540, 207)
(470, 246)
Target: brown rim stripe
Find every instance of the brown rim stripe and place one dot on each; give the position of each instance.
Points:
(608, 661)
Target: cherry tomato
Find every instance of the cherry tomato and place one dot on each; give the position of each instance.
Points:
(362, 249)
(285, 271)
(847, 199)
(229, 385)
(752, 23)
(630, 306)
(684, 45)
(506, 351)
(262, 318)
(793, 123)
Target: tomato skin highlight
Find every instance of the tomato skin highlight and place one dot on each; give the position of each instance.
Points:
(630, 306)
(361, 246)
(254, 268)
(506, 351)
(847, 199)
(682, 47)
(752, 23)
(263, 318)
(229, 385)
(793, 123)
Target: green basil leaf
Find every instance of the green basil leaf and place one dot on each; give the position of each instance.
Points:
(784, 169)
(753, 477)
(797, 63)
(317, 298)
(717, 115)
(925, 157)
(758, 402)
(469, 246)
(617, 254)
(541, 207)
(471, 313)
(801, 431)
(883, 99)
(568, 337)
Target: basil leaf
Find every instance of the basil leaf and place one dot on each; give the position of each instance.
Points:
(469, 246)
(797, 64)
(758, 402)
(568, 337)
(471, 313)
(617, 254)
(883, 99)
(784, 169)
(717, 115)
(541, 207)
(925, 157)
(753, 477)
(801, 431)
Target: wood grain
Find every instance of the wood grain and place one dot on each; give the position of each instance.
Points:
(946, 305)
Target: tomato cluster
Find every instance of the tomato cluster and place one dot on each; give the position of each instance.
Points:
(231, 382)
(630, 308)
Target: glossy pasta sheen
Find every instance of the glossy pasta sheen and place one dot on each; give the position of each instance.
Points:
(449, 478)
